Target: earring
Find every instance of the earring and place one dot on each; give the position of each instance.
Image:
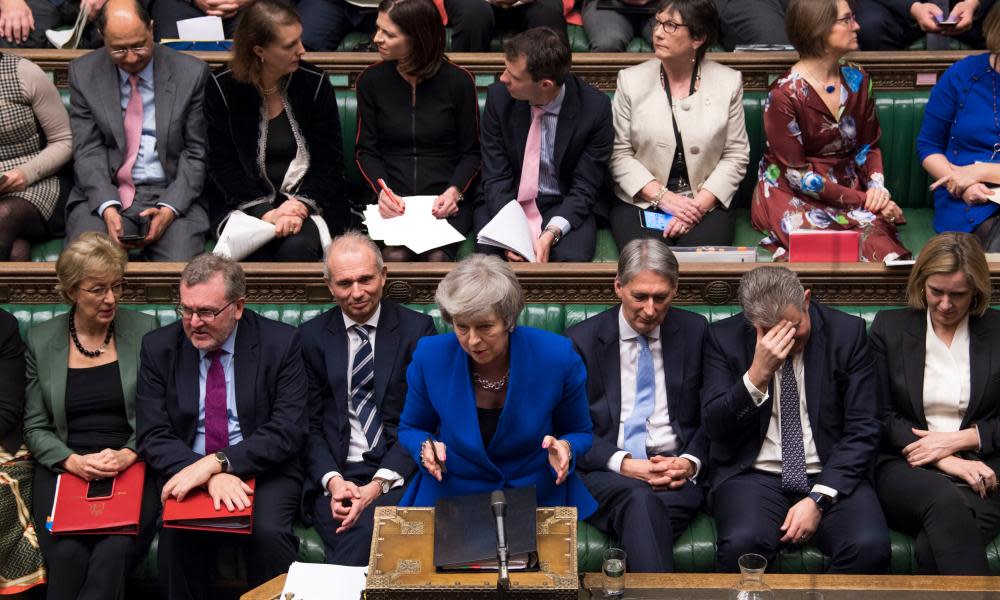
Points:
(261, 60)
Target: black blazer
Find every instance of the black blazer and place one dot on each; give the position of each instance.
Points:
(681, 335)
(233, 111)
(12, 376)
(325, 352)
(270, 399)
(841, 399)
(898, 340)
(583, 142)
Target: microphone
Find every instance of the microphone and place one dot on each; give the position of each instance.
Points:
(498, 502)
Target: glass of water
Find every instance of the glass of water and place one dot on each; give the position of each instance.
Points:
(614, 572)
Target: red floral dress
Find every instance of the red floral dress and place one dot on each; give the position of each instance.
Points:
(816, 167)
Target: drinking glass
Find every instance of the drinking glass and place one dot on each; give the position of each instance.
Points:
(614, 572)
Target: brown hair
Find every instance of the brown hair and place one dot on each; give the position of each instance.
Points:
(420, 21)
(258, 25)
(701, 18)
(948, 253)
(93, 254)
(808, 23)
(991, 29)
(547, 52)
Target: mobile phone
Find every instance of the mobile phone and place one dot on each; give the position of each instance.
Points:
(101, 489)
(654, 219)
(134, 229)
(946, 23)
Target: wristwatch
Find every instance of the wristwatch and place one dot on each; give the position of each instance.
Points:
(822, 501)
(223, 461)
(556, 233)
(383, 484)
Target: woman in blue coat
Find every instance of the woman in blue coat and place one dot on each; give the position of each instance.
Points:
(505, 406)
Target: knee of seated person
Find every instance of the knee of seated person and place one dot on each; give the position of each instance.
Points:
(67, 552)
(745, 540)
(298, 248)
(474, 13)
(868, 551)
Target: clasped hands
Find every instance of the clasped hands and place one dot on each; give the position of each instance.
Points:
(660, 472)
(938, 448)
(687, 211)
(160, 218)
(100, 465)
(225, 489)
(879, 201)
(348, 500)
(287, 218)
(965, 182)
(560, 455)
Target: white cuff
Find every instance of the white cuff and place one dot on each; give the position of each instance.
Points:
(326, 479)
(559, 222)
(103, 207)
(697, 465)
(615, 462)
(176, 213)
(826, 491)
(756, 395)
(395, 479)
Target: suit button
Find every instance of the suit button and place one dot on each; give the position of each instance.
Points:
(695, 149)
(685, 106)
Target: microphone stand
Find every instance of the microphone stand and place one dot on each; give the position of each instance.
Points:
(499, 504)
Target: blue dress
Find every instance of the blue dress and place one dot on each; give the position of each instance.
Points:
(962, 122)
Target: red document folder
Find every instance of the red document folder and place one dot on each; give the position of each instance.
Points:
(74, 513)
(197, 511)
(824, 246)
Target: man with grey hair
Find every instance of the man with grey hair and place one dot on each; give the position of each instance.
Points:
(643, 362)
(790, 404)
(221, 400)
(356, 356)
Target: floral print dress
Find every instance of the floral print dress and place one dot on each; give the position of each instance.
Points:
(817, 166)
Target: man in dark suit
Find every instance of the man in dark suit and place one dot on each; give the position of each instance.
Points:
(896, 24)
(356, 357)
(546, 140)
(138, 139)
(222, 399)
(643, 377)
(790, 404)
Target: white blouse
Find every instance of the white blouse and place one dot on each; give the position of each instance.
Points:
(947, 378)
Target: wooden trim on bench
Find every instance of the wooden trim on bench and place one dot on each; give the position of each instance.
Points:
(580, 283)
(902, 70)
(724, 581)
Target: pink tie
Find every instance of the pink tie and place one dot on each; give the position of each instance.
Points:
(133, 132)
(527, 191)
(216, 417)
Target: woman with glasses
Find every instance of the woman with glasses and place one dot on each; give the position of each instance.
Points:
(822, 169)
(81, 370)
(680, 139)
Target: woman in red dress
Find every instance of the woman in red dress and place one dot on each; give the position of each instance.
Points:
(822, 168)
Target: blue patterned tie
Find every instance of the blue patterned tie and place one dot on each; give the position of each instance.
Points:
(793, 454)
(363, 389)
(645, 386)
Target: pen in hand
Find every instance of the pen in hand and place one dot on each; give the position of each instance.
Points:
(431, 444)
(395, 200)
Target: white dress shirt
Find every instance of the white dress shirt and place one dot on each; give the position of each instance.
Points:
(359, 442)
(660, 435)
(769, 457)
(946, 378)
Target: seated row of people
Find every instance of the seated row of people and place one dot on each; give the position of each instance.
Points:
(262, 135)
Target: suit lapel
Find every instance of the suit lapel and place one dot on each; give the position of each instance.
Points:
(337, 361)
(980, 356)
(673, 348)
(521, 121)
(109, 85)
(128, 366)
(386, 347)
(914, 349)
(163, 99)
(610, 371)
(186, 381)
(567, 120)
(246, 362)
(816, 368)
(56, 361)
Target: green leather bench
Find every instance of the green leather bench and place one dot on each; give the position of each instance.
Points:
(694, 550)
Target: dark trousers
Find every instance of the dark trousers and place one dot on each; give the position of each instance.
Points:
(49, 16)
(886, 29)
(166, 13)
(325, 23)
(186, 557)
(716, 228)
(576, 246)
(646, 522)
(473, 21)
(351, 547)
(304, 246)
(85, 567)
(749, 509)
(950, 522)
(752, 22)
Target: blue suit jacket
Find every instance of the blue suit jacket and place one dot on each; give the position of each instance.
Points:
(546, 395)
(841, 398)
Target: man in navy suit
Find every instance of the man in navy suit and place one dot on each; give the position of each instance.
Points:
(356, 357)
(643, 362)
(221, 398)
(790, 404)
(575, 144)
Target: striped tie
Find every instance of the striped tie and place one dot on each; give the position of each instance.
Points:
(363, 389)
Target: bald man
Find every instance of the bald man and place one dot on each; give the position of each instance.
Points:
(138, 140)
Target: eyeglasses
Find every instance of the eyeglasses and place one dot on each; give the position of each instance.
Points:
(101, 291)
(666, 26)
(205, 314)
(138, 51)
(847, 20)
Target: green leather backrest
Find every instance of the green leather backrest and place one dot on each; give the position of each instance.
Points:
(900, 115)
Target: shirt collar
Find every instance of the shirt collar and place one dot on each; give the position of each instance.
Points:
(371, 322)
(227, 346)
(146, 74)
(553, 108)
(626, 333)
(961, 332)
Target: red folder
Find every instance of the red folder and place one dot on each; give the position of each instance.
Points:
(197, 511)
(74, 513)
(814, 245)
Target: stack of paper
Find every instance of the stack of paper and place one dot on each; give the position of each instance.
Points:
(307, 581)
(243, 235)
(509, 230)
(416, 228)
(206, 29)
(69, 39)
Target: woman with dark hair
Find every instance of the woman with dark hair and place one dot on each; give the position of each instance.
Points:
(690, 163)
(418, 122)
(938, 365)
(823, 168)
(274, 134)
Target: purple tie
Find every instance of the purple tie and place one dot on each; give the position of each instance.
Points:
(527, 190)
(133, 133)
(216, 419)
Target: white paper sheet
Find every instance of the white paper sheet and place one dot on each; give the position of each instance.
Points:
(69, 39)
(416, 228)
(319, 582)
(510, 230)
(243, 235)
(201, 29)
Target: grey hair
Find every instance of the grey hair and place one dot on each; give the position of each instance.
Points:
(766, 292)
(479, 286)
(352, 238)
(203, 267)
(647, 254)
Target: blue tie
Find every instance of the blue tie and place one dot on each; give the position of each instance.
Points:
(645, 387)
(793, 454)
(363, 389)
